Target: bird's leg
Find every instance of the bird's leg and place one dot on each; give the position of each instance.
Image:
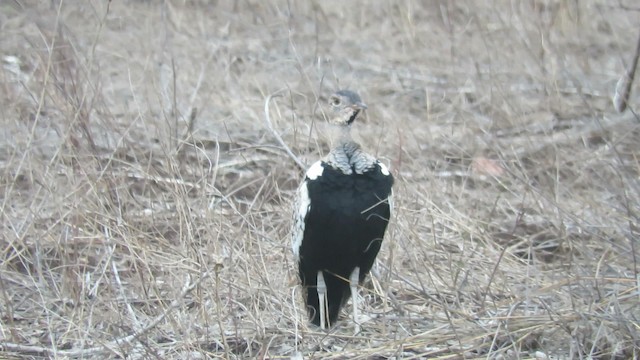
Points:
(321, 288)
(353, 282)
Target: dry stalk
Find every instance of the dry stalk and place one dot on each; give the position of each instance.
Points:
(275, 134)
(114, 346)
(623, 86)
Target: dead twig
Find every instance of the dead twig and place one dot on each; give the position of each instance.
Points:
(275, 133)
(623, 87)
(112, 346)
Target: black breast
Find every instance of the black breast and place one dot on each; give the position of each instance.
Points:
(344, 228)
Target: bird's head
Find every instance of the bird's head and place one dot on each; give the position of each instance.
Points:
(346, 105)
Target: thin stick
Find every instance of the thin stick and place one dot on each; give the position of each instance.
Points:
(110, 346)
(623, 87)
(275, 133)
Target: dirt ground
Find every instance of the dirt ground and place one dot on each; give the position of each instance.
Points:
(146, 200)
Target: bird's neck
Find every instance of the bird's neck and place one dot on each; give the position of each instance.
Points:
(339, 135)
(346, 155)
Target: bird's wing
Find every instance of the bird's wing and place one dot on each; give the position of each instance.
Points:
(302, 205)
(385, 171)
(301, 208)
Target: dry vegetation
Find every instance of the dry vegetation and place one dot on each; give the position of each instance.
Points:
(146, 203)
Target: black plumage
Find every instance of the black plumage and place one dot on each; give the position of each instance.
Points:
(343, 208)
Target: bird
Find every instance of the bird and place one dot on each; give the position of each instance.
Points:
(341, 212)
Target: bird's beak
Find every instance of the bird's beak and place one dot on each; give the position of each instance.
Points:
(360, 106)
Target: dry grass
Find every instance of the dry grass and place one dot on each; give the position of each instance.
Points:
(146, 204)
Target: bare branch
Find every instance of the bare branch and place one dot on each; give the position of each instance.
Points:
(275, 133)
(623, 87)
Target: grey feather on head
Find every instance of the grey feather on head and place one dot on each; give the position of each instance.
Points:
(346, 106)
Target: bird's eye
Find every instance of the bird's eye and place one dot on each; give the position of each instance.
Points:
(335, 101)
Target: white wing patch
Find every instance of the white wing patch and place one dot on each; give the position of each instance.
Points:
(315, 170)
(383, 169)
(302, 206)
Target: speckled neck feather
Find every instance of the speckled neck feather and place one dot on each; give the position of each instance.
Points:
(348, 157)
